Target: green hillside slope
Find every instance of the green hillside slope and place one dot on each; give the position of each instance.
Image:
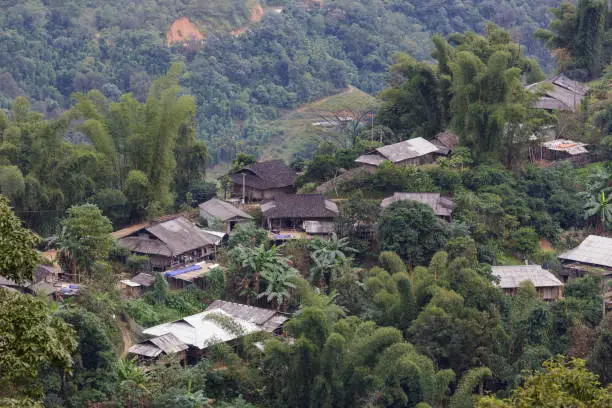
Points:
(51, 49)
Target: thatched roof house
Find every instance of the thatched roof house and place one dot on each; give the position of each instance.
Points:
(312, 213)
(510, 278)
(446, 142)
(173, 242)
(264, 180)
(592, 257)
(562, 94)
(217, 211)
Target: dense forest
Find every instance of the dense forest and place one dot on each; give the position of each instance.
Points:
(103, 125)
(51, 49)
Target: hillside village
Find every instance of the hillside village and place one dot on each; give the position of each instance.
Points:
(445, 242)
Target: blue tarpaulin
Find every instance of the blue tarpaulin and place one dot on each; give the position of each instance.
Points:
(282, 236)
(182, 270)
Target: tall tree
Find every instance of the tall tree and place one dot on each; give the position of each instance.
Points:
(84, 239)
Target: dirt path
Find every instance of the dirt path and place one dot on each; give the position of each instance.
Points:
(545, 245)
(126, 337)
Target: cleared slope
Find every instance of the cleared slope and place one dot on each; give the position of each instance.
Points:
(294, 130)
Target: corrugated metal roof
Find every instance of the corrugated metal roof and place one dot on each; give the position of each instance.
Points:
(205, 329)
(408, 149)
(512, 276)
(442, 206)
(169, 343)
(565, 145)
(371, 159)
(223, 210)
(318, 227)
(145, 349)
(594, 250)
(129, 283)
(202, 330)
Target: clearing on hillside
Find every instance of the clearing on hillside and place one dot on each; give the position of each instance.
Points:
(183, 31)
(307, 125)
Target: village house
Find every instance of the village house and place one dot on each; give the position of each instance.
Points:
(189, 275)
(510, 278)
(221, 322)
(560, 93)
(222, 214)
(137, 285)
(291, 213)
(409, 152)
(592, 257)
(442, 206)
(263, 181)
(563, 149)
(446, 142)
(171, 243)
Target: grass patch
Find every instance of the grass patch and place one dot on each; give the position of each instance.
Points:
(294, 132)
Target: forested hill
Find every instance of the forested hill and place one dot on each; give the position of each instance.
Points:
(50, 49)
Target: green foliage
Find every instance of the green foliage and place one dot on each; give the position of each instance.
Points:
(84, 238)
(411, 230)
(18, 258)
(600, 356)
(247, 234)
(577, 37)
(32, 337)
(391, 262)
(563, 383)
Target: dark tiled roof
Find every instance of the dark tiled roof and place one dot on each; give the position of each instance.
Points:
(223, 210)
(564, 94)
(144, 279)
(146, 245)
(300, 206)
(448, 140)
(266, 175)
(180, 235)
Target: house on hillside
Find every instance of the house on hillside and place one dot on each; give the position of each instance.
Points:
(221, 322)
(446, 142)
(547, 285)
(137, 285)
(189, 275)
(563, 149)
(263, 181)
(592, 257)
(215, 212)
(561, 94)
(442, 206)
(170, 243)
(413, 151)
(290, 213)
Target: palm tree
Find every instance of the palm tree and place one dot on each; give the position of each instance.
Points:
(279, 282)
(600, 206)
(260, 262)
(328, 256)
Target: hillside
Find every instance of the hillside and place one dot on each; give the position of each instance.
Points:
(296, 130)
(277, 59)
